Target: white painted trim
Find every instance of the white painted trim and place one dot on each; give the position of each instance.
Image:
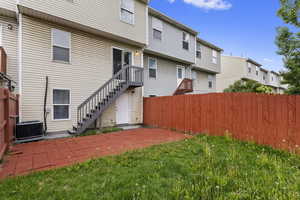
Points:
(70, 47)
(52, 105)
(156, 67)
(147, 25)
(20, 62)
(123, 50)
(1, 35)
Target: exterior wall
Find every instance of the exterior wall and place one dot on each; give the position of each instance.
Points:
(102, 15)
(200, 84)
(10, 45)
(205, 62)
(90, 67)
(8, 7)
(233, 69)
(165, 83)
(252, 75)
(171, 43)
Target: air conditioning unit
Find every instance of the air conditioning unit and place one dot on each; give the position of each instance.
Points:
(28, 131)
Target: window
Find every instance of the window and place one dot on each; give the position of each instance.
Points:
(210, 81)
(152, 68)
(157, 26)
(214, 57)
(185, 41)
(257, 71)
(61, 44)
(194, 75)
(179, 73)
(0, 35)
(249, 68)
(127, 11)
(264, 77)
(198, 51)
(61, 104)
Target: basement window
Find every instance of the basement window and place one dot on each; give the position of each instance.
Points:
(61, 104)
(61, 45)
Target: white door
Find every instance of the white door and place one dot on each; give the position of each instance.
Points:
(180, 75)
(122, 104)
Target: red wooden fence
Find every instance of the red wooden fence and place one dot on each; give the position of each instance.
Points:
(8, 114)
(272, 120)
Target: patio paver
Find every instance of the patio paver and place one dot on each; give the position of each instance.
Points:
(50, 154)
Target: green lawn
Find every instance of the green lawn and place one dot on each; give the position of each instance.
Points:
(201, 168)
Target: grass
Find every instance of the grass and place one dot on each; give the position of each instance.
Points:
(202, 168)
(102, 131)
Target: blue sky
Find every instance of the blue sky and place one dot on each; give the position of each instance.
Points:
(240, 27)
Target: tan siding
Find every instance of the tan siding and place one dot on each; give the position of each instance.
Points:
(10, 44)
(103, 15)
(91, 67)
(206, 60)
(8, 4)
(200, 84)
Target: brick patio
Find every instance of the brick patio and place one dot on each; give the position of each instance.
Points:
(44, 155)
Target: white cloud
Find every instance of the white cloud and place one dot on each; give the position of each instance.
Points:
(268, 60)
(208, 4)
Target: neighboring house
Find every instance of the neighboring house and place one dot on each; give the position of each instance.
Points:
(237, 68)
(174, 54)
(79, 46)
(207, 66)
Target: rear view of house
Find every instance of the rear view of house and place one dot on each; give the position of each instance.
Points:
(77, 64)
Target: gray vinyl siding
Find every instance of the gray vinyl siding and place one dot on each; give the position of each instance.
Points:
(200, 84)
(205, 62)
(90, 68)
(171, 43)
(103, 15)
(10, 45)
(165, 83)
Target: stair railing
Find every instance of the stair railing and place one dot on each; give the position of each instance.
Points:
(127, 76)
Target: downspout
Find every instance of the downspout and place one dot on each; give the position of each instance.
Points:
(45, 106)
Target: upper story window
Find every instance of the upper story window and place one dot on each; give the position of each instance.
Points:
(194, 75)
(198, 51)
(61, 45)
(249, 68)
(127, 11)
(157, 27)
(185, 40)
(214, 56)
(210, 81)
(257, 71)
(61, 104)
(264, 77)
(152, 65)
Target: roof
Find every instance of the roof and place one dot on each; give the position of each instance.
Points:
(164, 17)
(209, 44)
(263, 69)
(275, 73)
(253, 62)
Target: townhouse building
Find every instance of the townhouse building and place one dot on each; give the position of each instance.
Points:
(61, 52)
(237, 68)
(81, 65)
(175, 53)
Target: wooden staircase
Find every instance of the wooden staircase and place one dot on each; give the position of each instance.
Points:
(185, 86)
(92, 108)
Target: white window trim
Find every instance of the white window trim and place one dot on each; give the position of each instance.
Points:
(214, 59)
(133, 13)
(123, 50)
(183, 72)
(198, 50)
(1, 35)
(156, 68)
(70, 47)
(188, 41)
(70, 103)
(160, 40)
(210, 79)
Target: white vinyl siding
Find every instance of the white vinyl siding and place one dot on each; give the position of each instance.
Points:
(61, 104)
(152, 68)
(61, 45)
(1, 35)
(127, 11)
(157, 27)
(214, 57)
